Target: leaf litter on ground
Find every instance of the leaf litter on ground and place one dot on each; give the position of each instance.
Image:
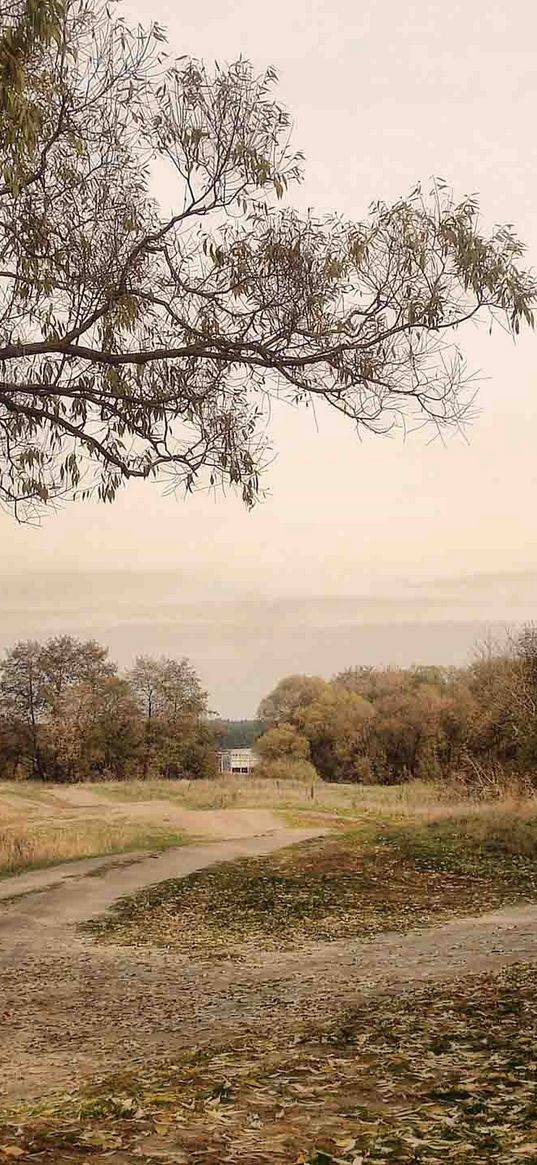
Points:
(433, 1075)
(388, 878)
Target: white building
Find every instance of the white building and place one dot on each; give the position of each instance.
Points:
(237, 760)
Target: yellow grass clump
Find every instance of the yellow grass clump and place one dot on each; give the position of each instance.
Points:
(27, 844)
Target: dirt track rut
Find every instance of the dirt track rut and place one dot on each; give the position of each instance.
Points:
(69, 1008)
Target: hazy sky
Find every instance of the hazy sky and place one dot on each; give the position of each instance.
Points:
(382, 95)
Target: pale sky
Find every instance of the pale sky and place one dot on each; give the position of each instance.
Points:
(390, 534)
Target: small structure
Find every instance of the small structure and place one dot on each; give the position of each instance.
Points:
(237, 760)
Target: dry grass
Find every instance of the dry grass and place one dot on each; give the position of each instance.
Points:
(25, 846)
(37, 828)
(417, 799)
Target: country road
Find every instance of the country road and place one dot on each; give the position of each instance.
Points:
(70, 1007)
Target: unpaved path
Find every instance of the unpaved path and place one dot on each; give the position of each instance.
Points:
(76, 803)
(42, 918)
(197, 823)
(70, 1008)
(228, 824)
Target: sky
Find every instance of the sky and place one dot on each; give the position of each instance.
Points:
(379, 550)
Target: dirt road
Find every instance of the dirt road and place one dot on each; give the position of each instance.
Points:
(70, 1008)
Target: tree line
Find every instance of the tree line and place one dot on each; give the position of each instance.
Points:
(66, 714)
(476, 724)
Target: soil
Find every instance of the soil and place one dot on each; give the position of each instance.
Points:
(75, 801)
(70, 1008)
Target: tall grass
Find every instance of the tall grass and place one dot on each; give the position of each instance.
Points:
(31, 845)
(419, 799)
(37, 828)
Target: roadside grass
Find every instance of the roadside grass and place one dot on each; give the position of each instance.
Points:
(435, 1074)
(421, 799)
(379, 877)
(34, 845)
(38, 828)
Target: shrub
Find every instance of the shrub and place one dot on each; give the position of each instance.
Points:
(287, 770)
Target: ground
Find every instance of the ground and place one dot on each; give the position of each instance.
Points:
(404, 1033)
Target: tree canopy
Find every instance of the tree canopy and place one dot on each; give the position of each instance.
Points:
(476, 725)
(66, 715)
(145, 336)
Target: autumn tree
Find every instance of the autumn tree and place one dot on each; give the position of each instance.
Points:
(290, 693)
(36, 683)
(283, 741)
(502, 686)
(173, 703)
(23, 698)
(99, 735)
(66, 661)
(337, 727)
(377, 724)
(144, 337)
(65, 715)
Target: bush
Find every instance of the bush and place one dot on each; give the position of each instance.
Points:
(287, 770)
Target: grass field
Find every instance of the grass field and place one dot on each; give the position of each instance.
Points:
(26, 847)
(414, 799)
(37, 828)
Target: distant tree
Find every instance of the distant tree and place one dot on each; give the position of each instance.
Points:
(167, 688)
(13, 746)
(296, 691)
(23, 696)
(99, 733)
(185, 751)
(35, 681)
(287, 769)
(173, 702)
(502, 685)
(236, 733)
(282, 742)
(140, 338)
(337, 725)
(66, 661)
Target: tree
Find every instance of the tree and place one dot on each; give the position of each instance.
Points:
(100, 732)
(25, 30)
(172, 701)
(167, 688)
(23, 696)
(502, 684)
(13, 747)
(36, 681)
(337, 726)
(236, 733)
(292, 692)
(66, 661)
(287, 769)
(283, 742)
(141, 339)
